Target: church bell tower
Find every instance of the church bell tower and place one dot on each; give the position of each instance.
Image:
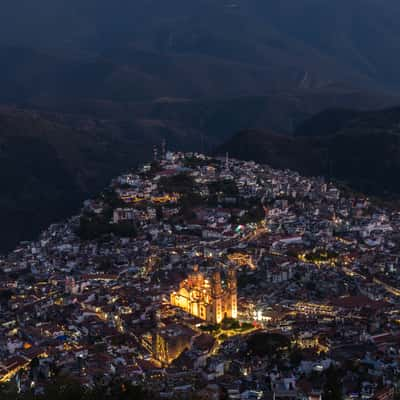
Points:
(232, 293)
(216, 294)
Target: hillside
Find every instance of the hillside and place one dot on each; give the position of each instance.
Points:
(48, 167)
(348, 122)
(369, 162)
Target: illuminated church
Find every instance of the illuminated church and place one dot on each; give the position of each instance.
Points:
(207, 298)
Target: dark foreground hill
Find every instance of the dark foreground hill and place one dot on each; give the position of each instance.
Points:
(363, 150)
(347, 122)
(47, 167)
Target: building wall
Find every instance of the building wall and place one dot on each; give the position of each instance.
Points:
(211, 302)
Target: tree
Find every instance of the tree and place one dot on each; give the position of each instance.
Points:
(181, 183)
(92, 226)
(230, 323)
(264, 343)
(8, 392)
(63, 388)
(124, 229)
(159, 214)
(333, 385)
(296, 356)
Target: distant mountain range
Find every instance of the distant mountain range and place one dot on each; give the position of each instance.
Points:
(224, 47)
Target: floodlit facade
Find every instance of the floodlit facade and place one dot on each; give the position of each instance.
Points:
(206, 298)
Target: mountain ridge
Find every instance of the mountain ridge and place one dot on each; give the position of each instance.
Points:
(363, 155)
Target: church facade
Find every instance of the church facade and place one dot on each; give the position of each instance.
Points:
(206, 298)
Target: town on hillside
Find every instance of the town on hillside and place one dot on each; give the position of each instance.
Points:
(214, 277)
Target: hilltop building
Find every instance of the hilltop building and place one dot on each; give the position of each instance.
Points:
(206, 298)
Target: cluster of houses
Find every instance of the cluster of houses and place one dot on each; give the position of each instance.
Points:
(314, 264)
